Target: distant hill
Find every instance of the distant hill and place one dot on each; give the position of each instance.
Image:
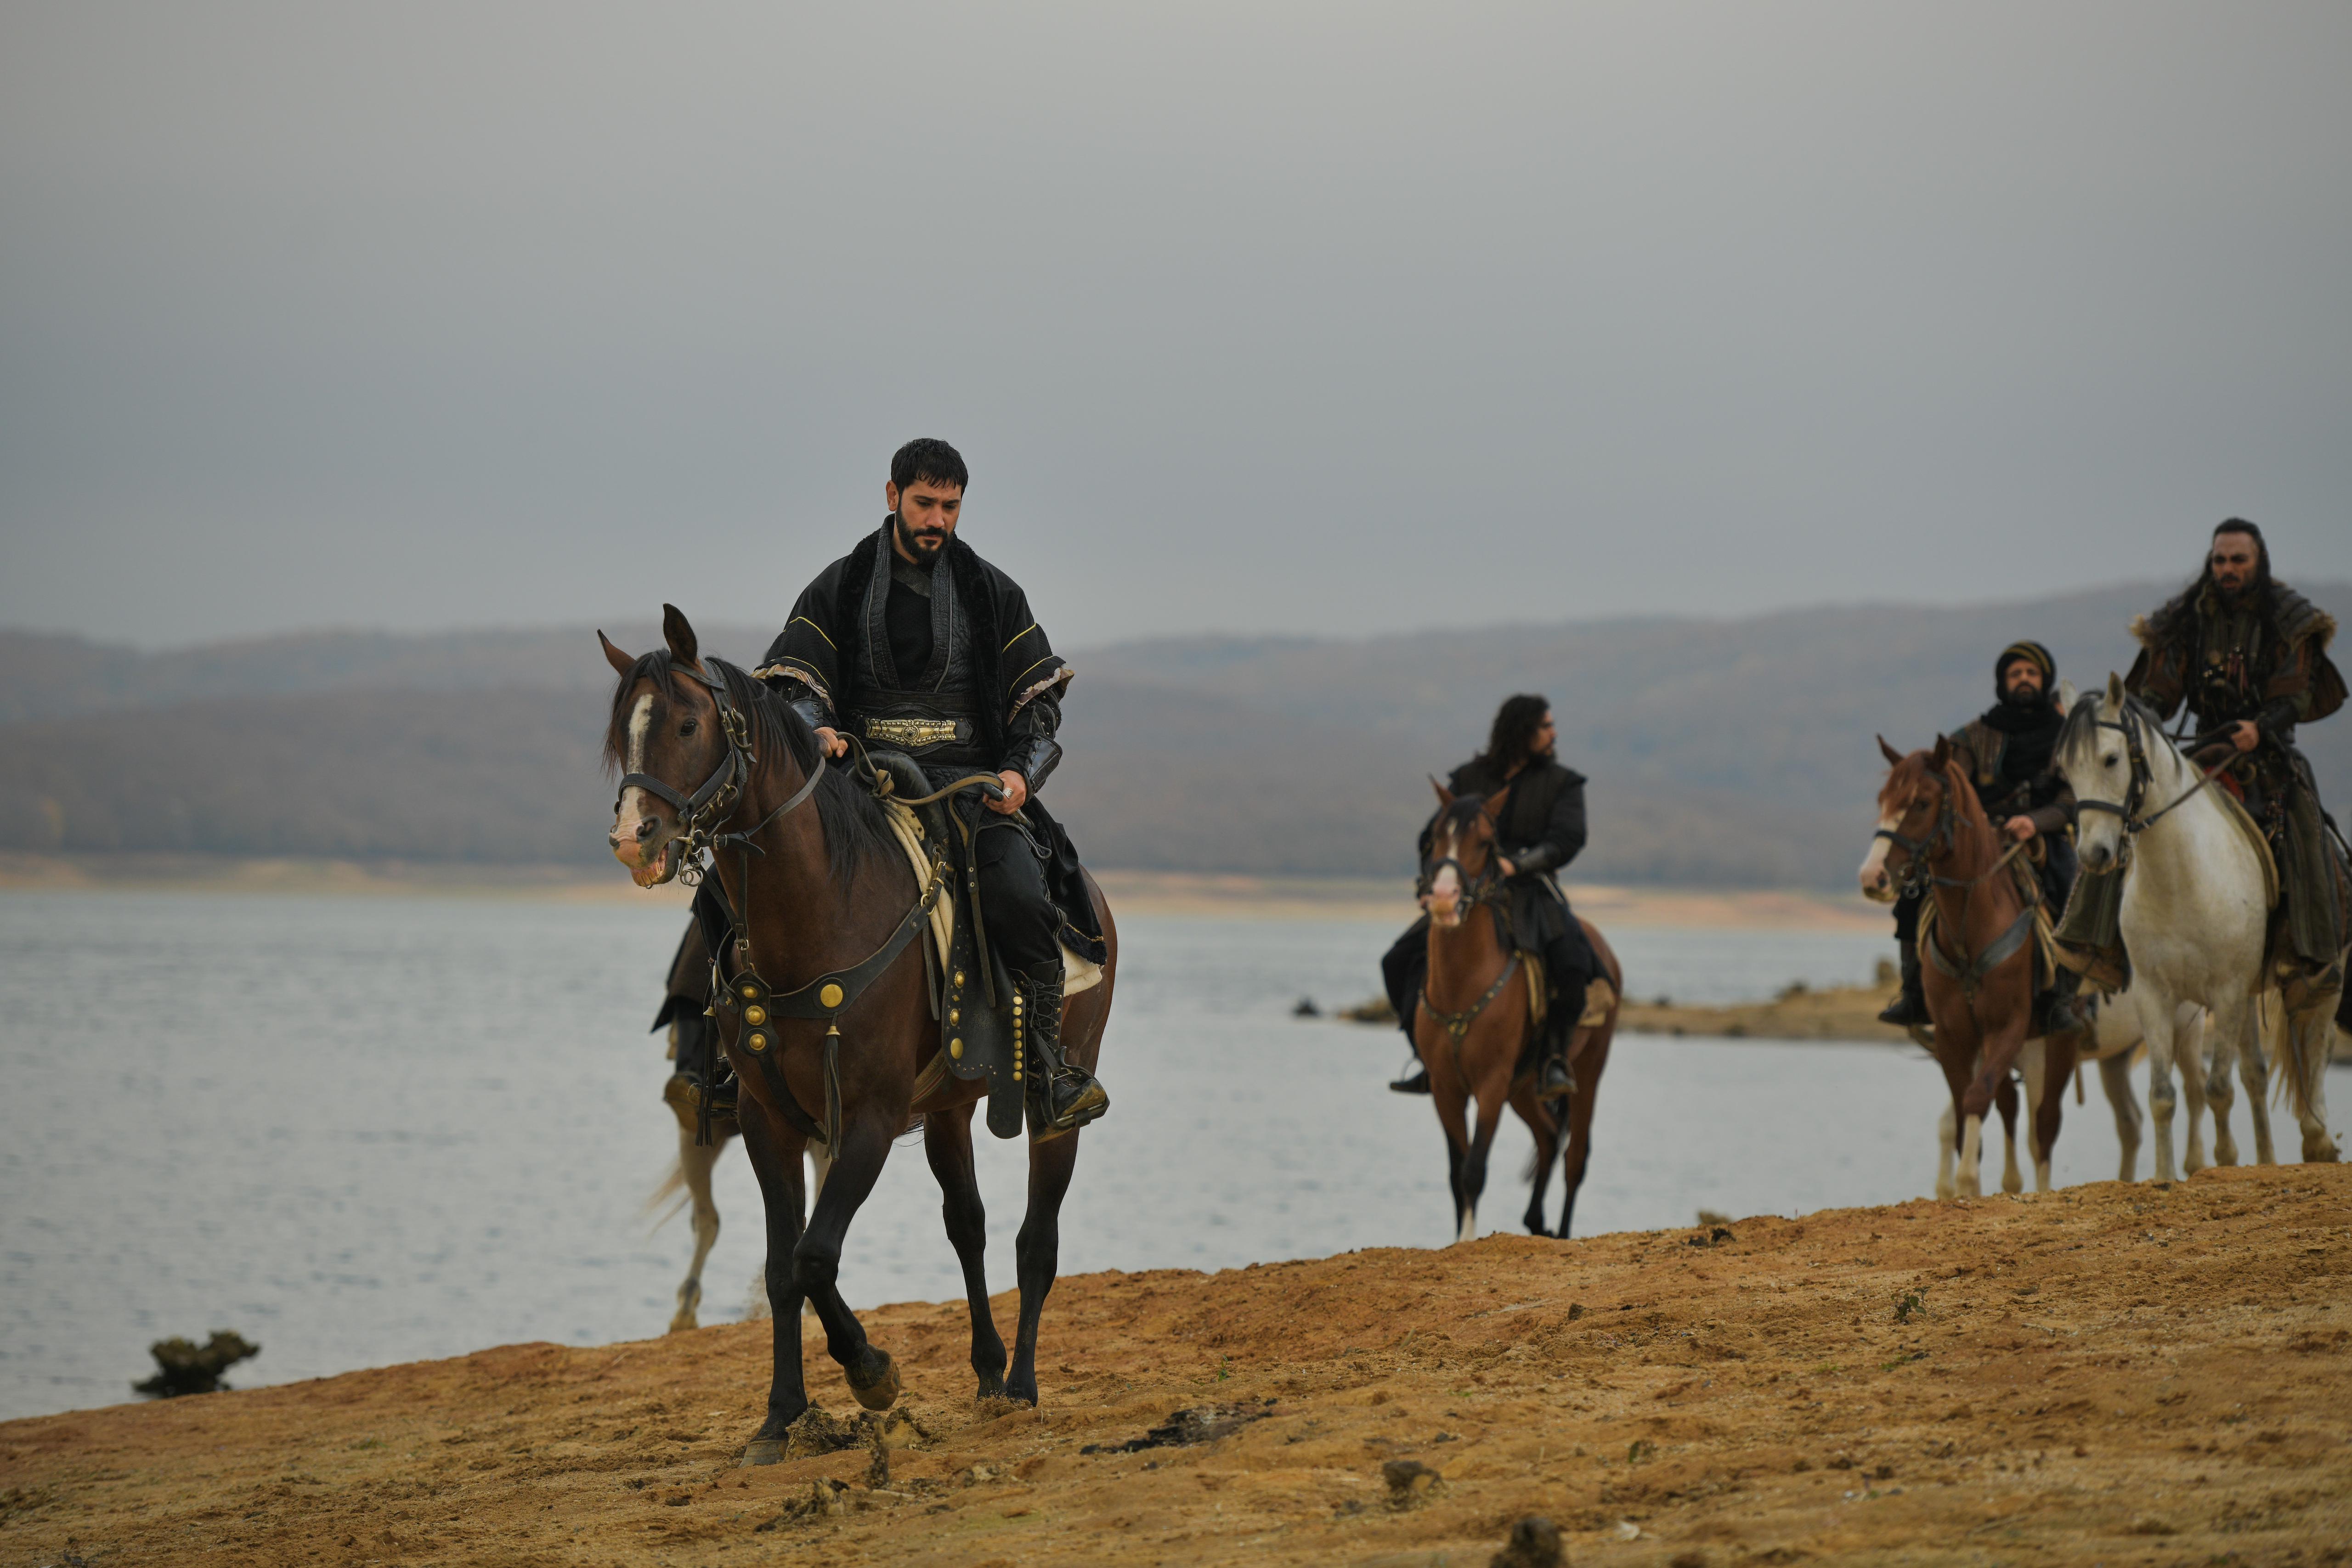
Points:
(1721, 752)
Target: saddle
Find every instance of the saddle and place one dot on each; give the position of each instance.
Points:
(971, 994)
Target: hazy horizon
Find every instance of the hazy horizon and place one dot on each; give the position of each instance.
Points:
(1322, 318)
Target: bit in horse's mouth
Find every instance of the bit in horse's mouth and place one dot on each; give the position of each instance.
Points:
(655, 871)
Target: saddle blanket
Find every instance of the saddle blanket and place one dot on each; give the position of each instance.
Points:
(1078, 974)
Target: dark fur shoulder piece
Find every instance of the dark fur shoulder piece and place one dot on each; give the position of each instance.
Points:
(2298, 618)
(978, 587)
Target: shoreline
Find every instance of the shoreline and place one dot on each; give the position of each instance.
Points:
(1370, 900)
(1836, 1387)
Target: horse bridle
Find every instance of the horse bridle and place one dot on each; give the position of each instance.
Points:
(714, 801)
(1917, 874)
(2136, 793)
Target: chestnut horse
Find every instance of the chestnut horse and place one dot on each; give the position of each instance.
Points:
(1476, 1017)
(825, 901)
(1978, 958)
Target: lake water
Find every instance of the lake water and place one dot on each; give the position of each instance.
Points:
(368, 1130)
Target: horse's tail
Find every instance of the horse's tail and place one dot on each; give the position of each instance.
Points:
(673, 1185)
(2280, 1044)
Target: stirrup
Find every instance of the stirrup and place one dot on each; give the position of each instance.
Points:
(1413, 1082)
(1547, 1090)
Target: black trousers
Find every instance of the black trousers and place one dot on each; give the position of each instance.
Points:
(1025, 924)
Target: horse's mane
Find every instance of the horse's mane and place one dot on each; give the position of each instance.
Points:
(855, 825)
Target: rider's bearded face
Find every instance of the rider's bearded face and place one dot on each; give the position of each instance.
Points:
(1546, 739)
(2020, 684)
(2232, 562)
(927, 514)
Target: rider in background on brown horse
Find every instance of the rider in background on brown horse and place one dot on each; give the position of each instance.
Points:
(913, 644)
(2006, 753)
(1542, 829)
(2249, 656)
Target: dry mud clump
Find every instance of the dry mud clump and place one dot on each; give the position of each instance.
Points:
(2128, 1375)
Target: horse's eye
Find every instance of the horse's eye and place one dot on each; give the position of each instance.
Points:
(2108, 760)
(686, 728)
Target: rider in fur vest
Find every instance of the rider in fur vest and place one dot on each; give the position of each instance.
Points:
(2006, 752)
(1542, 829)
(2248, 655)
(913, 644)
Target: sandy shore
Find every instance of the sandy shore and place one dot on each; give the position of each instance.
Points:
(2121, 1373)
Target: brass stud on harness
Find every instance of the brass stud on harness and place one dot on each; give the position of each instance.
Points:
(755, 1015)
(756, 1042)
(955, 1048)
(830, 997)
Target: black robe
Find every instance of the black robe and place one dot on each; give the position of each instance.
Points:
(834, 652)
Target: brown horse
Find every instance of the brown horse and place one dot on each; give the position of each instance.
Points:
(1979, 957)
(1476, 1018)
(831, 920)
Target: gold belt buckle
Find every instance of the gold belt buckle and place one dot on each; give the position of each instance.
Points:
(911, 732)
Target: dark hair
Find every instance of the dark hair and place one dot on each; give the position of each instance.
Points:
(2176, 615)
(1516, 722)
(928, 459)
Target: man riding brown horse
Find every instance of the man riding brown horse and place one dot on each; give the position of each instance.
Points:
(1542, 829)
(2006, 753)
(912, 643)
(2249, 658)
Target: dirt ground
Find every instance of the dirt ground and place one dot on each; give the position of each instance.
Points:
(2110, 1373)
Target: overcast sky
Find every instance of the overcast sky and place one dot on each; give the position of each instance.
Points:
(1332, 318)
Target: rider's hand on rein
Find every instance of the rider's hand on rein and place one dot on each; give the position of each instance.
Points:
(1016, 791)
(834, 745)
(2244, 735)
(2020, 828)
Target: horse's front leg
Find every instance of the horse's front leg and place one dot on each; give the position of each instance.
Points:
(947, 1142)
(774, 1151)
(1473, 1158)
(1548, 1135)
(694, 1162)
(2156, 1026)
(1947, 1143)
(816, 1260)
(1037, 1254)
(2005, 1100)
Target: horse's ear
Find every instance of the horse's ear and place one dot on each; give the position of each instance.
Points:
(1492, 809)
(1893, 758)
(1445, 796)
(681, 635)
(1942, 754)
(621, 662)
(2066, 697)
(2114, 692)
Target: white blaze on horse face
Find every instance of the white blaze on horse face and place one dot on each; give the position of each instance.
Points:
(1875, 884)
(1445, 887)
(634, 800)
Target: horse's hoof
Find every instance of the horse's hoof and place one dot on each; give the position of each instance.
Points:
(683, 1321)
(881, 1391)
(762, 1451)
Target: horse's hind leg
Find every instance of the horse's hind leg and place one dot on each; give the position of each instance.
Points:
(1948, 1142)
(816, 1260)
(694, 1162)
(2114, 1077)
(775, 1157)
(947, 1142)
(2056, 1067)
(2204, 1059)
(2253, 1069)
(1548, 1135)
(1037, 1251)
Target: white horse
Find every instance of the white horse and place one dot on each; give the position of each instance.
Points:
(2196, 910)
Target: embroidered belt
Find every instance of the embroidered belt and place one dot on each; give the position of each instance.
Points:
(913, 732)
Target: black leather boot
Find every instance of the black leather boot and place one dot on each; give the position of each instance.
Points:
(1909, 1008)
(1062, 1097)
(1554, 1078)
(1413, 1082)
(2066, 1010)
